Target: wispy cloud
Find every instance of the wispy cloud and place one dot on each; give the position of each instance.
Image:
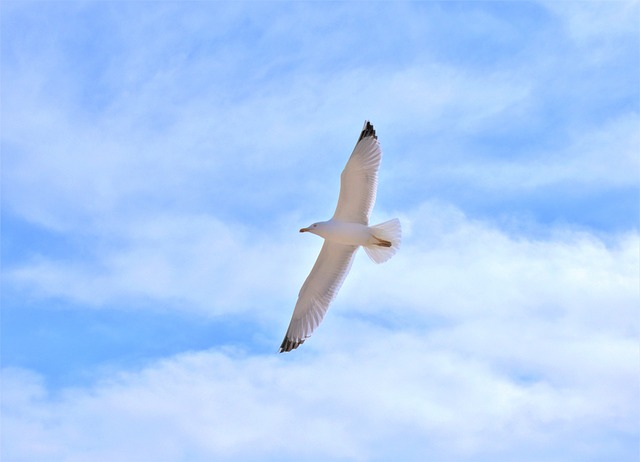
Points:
(162, 159)
(195, 262)
(471, 343)
(400, 394)
(183, 124)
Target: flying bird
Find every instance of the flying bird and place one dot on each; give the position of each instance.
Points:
(343, 234)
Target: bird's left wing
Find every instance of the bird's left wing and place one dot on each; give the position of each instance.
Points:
(359, 179)
(318, 291)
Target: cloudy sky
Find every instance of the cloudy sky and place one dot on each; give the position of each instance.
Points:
(158, 160)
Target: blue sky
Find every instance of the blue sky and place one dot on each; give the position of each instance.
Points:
(159, 158)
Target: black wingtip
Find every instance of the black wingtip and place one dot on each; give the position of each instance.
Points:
(367, 131)
(289, 344)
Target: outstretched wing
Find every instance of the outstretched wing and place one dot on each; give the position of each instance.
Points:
(318, 291)
(359, 179)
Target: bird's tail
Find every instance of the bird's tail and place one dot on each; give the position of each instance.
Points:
(385, 242)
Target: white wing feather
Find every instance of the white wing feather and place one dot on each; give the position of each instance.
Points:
(318, 291)
(359, 179)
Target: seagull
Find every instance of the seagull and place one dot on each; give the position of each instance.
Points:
(343, 234)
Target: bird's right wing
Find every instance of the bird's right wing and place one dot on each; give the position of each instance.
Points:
(359, 179)
(318, 291)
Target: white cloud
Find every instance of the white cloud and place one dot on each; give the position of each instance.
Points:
(598, 159)
(445, 254)
(473, 342)
(193, 263)
(203, 264)
(597, 21)
(393, 395)
(470, 343)
(190, 124)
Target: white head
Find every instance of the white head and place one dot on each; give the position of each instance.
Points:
(315, 228)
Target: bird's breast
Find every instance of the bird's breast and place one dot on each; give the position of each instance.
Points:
(347, 233)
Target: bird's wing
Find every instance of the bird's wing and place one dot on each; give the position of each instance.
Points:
(318, 291)
(359, 179)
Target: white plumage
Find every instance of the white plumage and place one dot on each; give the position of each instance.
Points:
(343, 234)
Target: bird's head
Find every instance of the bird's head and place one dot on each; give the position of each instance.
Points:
(311, 228)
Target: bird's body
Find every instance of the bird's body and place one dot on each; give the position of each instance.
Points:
(343, 234)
